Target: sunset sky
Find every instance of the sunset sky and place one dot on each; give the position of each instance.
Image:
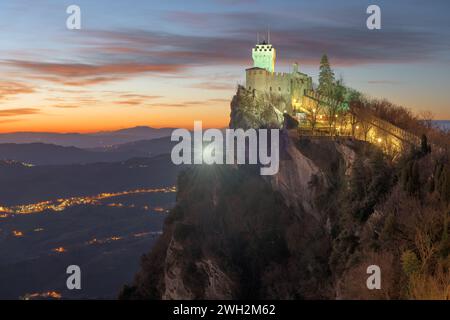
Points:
(168, 63)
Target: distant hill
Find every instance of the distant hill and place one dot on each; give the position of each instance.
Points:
(144, 148)
(442, 124)
(22, 184)
(50, 154)
(88, 140)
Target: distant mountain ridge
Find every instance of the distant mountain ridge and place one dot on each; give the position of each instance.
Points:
(62, 181)
(442, 124)
(87, 140)
(51, 154)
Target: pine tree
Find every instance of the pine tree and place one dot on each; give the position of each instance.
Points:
(327, 87)
(326, 77)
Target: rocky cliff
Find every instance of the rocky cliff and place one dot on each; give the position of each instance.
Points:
(305, 233)
(235, 234)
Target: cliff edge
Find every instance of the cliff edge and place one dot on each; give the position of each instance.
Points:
(335, 207)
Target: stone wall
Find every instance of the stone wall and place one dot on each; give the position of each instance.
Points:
(288, 85)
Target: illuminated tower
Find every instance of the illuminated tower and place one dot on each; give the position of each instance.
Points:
(264, 55)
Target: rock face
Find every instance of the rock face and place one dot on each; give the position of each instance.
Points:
(249, 111)
(218, 284)
(234, 234)
(297, 181)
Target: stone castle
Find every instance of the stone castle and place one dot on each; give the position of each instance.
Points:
(293, 93)
(262, 78)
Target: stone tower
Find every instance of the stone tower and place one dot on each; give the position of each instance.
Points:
(264, 55)
(288, 88)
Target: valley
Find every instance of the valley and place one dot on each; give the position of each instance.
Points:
(99, 207)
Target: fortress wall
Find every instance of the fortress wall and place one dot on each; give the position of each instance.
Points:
(275, 83)
(299, 85)
(256, 79)
(285, 84)
(280, 83)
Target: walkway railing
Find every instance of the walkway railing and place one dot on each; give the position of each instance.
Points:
(387, 127)
(369, 118)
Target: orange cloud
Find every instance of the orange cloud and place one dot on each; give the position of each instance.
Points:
(214, 86)
(18, 112)
(76, 74)
(139, 96)
(185, 104)
(88, 70)
(219, 100)
(9, 88)
(135, 99)
(129, 102)
(168, 105)
(9, 120)
(66, 106)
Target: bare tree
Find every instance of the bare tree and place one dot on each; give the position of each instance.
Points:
(353, 122)
(366, 127)
(312, 109)
(426, 117)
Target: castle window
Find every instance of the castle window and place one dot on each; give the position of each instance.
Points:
(270, 88)
(279, 88)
